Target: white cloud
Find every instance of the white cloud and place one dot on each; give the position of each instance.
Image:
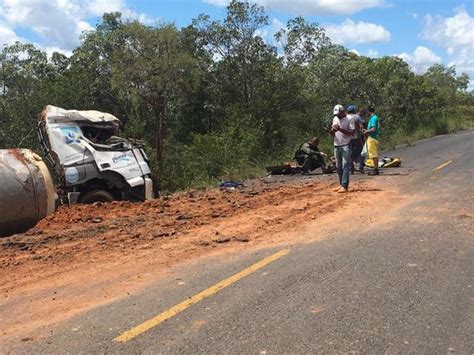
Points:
(456, 35)
(50, 50)
(7, 35)
(421, 59)
(99, 7)
(450, 31)
(55, 21)
(267, 33)
(372, 53)
(59, 23)
(350, 32)
(217, 2)
(277, 24)
(264, 33)
(313, 7)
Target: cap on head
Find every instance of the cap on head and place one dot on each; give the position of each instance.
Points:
(337, 109)
(351, 109)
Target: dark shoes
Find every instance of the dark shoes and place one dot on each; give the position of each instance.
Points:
(373, 173)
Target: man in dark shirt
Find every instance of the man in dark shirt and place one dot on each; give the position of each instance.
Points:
(309, 157)
(356, 141)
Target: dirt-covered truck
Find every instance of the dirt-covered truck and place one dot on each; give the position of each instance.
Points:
(90, 164)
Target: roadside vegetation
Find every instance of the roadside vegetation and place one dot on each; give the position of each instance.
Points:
(220, 99)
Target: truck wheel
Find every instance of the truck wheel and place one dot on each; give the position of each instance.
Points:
(97, 196)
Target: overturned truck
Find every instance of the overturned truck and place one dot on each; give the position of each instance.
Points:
(91, 163)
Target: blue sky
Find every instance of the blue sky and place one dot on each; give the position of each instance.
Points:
(422, 32)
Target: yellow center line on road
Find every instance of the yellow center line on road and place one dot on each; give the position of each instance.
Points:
(443, 165)
(153, 322)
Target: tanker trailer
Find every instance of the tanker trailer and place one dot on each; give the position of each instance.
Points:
(27, 192)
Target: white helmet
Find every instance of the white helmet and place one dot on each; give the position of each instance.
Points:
(338, 109)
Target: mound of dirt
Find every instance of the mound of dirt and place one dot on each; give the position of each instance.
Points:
(75, 232)
(78, 250)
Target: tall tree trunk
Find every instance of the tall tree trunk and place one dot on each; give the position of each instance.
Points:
(159, 110)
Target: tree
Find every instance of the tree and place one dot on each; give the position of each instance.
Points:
(301, 40)
(87, 82)
(26, 77)
(237, 48)
(150, 70)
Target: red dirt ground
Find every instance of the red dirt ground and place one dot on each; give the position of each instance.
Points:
(87, 255)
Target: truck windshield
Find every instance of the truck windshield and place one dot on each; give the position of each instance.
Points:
(97, 134)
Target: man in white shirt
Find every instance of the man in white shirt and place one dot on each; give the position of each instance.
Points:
(342, 129)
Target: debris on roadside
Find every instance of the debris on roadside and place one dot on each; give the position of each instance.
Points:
(222, 239)
(184, 217)
(292, 168)
(287, 168)
(242, 239)
(230, 185)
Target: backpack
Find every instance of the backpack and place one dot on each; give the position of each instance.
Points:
(300, 155)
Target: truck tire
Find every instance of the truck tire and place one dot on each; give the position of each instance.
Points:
(97, 196)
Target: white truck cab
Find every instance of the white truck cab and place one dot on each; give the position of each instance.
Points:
(91, 162)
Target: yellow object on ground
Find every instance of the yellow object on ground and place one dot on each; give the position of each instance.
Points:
(385, 163)
(372, 148)
(392, 163)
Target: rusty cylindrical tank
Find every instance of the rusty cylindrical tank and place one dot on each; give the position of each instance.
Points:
(27, 192)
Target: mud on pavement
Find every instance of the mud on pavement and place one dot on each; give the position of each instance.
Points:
(87, 255)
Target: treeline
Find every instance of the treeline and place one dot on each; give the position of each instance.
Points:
(215, 100)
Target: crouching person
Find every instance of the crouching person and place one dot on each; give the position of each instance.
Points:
(310, 158)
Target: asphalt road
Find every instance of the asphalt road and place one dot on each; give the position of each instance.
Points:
(406, 285)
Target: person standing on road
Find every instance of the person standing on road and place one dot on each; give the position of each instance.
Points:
(356, 141)
(372, 132)
(342, 129)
